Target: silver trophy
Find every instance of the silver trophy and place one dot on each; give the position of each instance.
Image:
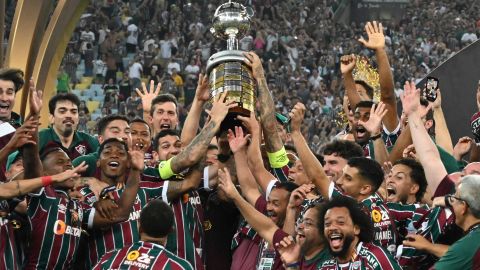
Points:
(226, 69)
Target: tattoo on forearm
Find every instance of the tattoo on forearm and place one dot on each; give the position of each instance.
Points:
(175, 188)
(267, 114)
(196, 148)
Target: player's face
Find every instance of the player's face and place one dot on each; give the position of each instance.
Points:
(334, 165)
(350, 183)
(308, 235)
(114, 160)
(360, 134)
(400, 185)
(277, 205)
(57, 162)
(117, 129)
(297, 174)
(282, 132)
(164, 116)
(7, 99)
(141, 135)
(65, 118)
(339, 231)
(459, 207)
(168, 147)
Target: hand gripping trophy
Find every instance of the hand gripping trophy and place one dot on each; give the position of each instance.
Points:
(226, 69)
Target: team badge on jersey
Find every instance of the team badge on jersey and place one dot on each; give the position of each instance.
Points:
(81, 149)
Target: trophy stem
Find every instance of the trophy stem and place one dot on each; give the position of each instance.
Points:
(232, 42)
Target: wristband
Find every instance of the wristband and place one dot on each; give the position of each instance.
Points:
(376, 137)
(294, 264)
(278, 159)
(165, 169)
(46, 180)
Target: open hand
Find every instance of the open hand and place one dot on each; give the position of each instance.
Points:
(236, 140)
(147, 96)
(410, 98)
(220, 107)
(376, 38)
(24, 134)
(374, 123)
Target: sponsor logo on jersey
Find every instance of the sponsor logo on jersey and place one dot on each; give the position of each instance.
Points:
(60, 228)
(81, 149)
(134, 215)
(139, 260)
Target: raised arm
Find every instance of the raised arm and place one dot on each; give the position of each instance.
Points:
(347, 64)
(147, 97)
(125, 203)
(273, 142)
(442, 134)
(255, 161)
(19, 188)
(264, 226)
(376, 41)
(30, 153)
(190, 182)
(191, 124)
(196, 150)
(426, 150)
(374, 126)
(238, 144)
(312, 166)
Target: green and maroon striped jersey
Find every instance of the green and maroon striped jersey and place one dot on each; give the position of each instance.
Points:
(384, 223)
(142, 255)
(8, 249)
(101, 241)
(56, 223)
(187, 241)
(368, 257)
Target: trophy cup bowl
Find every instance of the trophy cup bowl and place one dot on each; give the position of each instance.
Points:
(226, 69)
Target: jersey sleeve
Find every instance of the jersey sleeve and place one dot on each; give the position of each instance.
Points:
(446, 186)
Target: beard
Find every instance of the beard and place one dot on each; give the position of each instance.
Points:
(68, 131)
(346, 245)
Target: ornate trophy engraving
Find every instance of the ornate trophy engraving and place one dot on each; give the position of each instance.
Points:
(226, 69)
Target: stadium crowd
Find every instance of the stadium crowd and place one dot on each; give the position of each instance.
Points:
(158, 185)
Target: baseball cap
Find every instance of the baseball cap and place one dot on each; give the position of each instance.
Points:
(12, 158)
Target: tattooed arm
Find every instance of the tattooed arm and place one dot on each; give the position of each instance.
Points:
(177, 188)
(198, 147)
(273, 142)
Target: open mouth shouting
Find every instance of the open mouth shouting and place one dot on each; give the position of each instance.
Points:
(336, 241)
(165, 126)
(113, 165)
(361, 132)
(4, 108)
(391, 193)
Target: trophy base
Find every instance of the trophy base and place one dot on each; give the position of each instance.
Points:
(231, 120)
